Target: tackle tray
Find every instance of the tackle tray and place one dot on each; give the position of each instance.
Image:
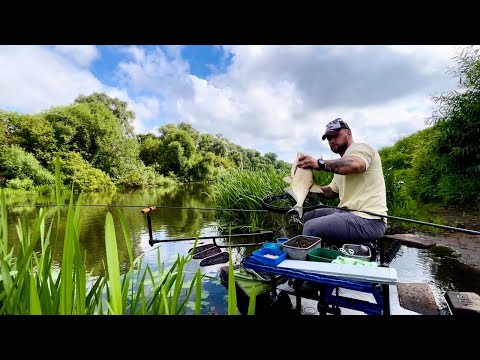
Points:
(269, 257)
(323, 254)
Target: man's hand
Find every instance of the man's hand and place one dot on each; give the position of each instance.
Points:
(307, 162)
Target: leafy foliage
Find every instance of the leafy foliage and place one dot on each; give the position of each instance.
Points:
(83, 176)
(15, 162)
(458, 121)
(116, 106)
(32, 133)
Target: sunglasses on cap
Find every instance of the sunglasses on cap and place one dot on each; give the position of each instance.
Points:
(336, 124)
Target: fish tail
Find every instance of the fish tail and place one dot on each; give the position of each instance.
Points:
(298, 209)
(300, 212)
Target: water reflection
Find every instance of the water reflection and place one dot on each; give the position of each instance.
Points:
(436, 267)
(179, 215)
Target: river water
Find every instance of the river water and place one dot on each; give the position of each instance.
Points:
(182, 213)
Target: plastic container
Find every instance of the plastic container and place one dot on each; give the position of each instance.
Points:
(271, 245)
(323, 254)
(297, 251)
(270, 257)
(356, 251)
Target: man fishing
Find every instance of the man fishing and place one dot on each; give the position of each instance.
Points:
(359, 184)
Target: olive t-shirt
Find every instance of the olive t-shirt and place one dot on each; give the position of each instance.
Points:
(363, 191)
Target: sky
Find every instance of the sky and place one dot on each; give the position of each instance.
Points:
(271, 98)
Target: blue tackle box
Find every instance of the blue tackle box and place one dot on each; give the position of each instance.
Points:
(269, 257)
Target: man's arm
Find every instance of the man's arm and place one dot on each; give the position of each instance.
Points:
(328, 193)
(345, 165)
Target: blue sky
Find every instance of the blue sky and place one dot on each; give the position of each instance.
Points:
(272, 98)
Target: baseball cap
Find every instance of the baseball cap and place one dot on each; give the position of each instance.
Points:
(334, 126)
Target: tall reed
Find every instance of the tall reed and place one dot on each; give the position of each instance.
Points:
(244, 189)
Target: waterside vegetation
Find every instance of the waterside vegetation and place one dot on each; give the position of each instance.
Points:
(30, 283)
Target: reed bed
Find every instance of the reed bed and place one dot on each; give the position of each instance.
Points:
(244, 189)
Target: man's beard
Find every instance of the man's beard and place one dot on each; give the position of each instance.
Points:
(341, 149)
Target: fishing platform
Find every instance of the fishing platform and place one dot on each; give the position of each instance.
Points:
(334, 288)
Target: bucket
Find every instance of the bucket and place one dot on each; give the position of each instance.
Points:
(281, 240)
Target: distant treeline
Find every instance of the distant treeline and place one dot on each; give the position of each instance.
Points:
(100, 152)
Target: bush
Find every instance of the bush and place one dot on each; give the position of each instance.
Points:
(85, 177)
(20, 184)
(15, 162)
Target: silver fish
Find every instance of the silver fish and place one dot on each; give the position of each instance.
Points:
(301, 184)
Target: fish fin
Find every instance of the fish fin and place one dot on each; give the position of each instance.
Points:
(316, 189)
(287, 179)
(290, 191)
(293, 169)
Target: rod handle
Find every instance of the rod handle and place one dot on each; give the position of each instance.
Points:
(148, 209)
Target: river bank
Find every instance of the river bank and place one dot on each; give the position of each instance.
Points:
(465, 247)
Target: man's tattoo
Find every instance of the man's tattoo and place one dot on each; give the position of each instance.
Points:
(338, 165)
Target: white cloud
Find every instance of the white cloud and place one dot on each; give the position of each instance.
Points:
(83, 55)
(155, 70)
(35, 78)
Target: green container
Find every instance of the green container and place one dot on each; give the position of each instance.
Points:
(323, 255)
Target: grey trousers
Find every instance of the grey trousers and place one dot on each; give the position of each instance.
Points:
(341, 226)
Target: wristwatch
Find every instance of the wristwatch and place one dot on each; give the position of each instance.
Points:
(321, 164)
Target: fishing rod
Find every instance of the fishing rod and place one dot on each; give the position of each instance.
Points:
(151, 241)
(314, 204)
(409, 220)
(267, 234)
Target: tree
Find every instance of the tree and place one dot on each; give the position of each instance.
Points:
(252, 153)
(184, 139)
(458, 121)
(272, 157)
(220, 145)
(150, 147)
(117, 106)
(5, 123)
(15, 162)
(189, 128)
(93, 131)
(458, 117)
(34, 134)
(205, 143)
